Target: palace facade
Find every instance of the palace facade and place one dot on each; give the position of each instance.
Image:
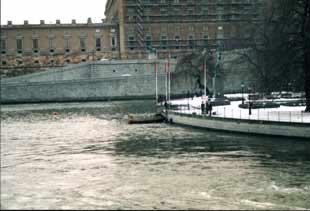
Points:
(178, 26)
(45, 45)
(132, 29)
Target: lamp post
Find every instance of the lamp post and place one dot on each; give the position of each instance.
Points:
(242, 87)
(205, 73)
(250, 103)
(217, 67)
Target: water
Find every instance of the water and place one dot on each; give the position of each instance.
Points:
(89, 158)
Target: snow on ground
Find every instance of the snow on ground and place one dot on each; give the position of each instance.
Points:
(282, 114)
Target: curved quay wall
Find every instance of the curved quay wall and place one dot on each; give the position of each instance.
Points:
(105, 80)
(299, 130)
(80, 90)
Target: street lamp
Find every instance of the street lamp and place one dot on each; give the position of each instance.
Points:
(205, 72)
(242, 87)
(250, 103)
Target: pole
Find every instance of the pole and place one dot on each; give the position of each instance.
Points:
(166, 81)
(205, 77)
(156, 81)
(242, 86)
(169, 81)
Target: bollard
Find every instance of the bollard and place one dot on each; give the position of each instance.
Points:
(268, 115)
(224, 112)
(302, 117)
(279, 116)
(290, 116)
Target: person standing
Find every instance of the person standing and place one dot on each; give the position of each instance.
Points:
(210, 109)
(202, 108)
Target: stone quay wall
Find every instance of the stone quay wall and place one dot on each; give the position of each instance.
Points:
(105, 80)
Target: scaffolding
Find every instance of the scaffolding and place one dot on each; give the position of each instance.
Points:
(140, 35)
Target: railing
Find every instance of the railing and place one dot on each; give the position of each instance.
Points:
(244, 114)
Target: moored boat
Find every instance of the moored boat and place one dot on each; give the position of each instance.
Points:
(157, 118)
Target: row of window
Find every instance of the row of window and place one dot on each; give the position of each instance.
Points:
(165, 43)
(51, 44)
(177, 38)
(192, 11)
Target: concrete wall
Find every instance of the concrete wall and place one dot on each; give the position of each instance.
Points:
(97, 81)
(96, 70)
(87, 77)
(99, 89)
(243, 126)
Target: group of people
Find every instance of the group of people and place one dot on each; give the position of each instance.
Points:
(206, 108)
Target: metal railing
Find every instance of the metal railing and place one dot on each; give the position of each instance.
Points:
(244, 114)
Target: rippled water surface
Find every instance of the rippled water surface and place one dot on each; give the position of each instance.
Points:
(88, 157)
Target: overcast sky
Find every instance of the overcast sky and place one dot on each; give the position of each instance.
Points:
(50, 10)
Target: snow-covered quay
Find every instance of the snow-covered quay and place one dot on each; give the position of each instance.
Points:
(282, 114)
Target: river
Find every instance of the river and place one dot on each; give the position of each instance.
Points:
(88, 157)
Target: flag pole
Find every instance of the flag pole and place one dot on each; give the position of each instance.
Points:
(156, 81)
(205, 77)
(169, 81)
(166, 80)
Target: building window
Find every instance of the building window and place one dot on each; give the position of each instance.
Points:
(177, 11)
(205, 40)
(3, 46)
(19, 46)
(67, 45)
(19, 62)
(163, 11)
(36, 62)
(82, 44)
(191, 42)
(205, 10)
(51, 45)
(98, 44)
(148, 40)
(4, 63)
(220, 32)
(113, 42)
(131, 40)
(164, 42)
(191, 11)
(177, 41)
(35, 45)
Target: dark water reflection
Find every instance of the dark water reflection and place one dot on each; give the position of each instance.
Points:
(89, 158)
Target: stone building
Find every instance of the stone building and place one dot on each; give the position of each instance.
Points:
(131, 30)
(46, 45)
(174, 27)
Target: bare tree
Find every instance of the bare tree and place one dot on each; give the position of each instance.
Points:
(297, 15)
(280, 46)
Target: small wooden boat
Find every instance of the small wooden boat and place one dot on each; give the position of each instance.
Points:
(157, 118)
